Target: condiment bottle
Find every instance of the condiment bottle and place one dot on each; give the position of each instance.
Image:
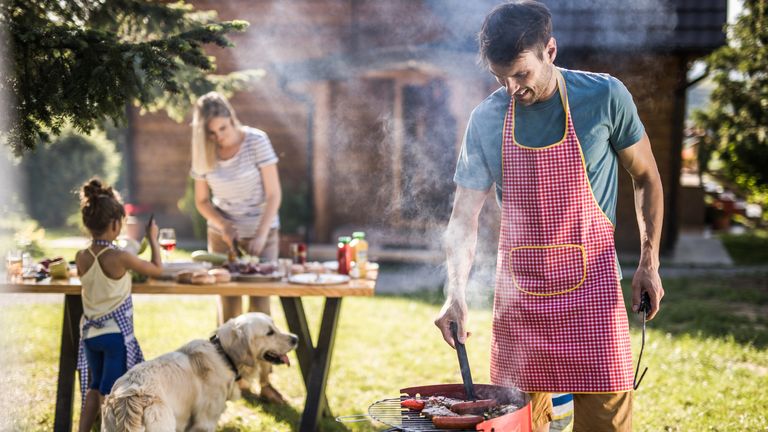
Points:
(343, 255)
(302, 252)
(359, 248)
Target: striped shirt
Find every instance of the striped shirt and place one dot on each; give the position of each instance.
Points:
(236, 185)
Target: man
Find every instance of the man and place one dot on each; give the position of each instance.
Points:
(550, 140)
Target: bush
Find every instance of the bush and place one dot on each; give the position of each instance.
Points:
(54, 174)
(17, 231)
(187, 206)
(295, 216)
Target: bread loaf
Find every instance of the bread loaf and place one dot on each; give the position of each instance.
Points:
(203, 278)
(222, 275)
(184, 277)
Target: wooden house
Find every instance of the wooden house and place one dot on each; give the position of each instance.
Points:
(366, 102)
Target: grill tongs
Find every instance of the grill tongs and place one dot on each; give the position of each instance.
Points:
(644, 308)
(466, 374)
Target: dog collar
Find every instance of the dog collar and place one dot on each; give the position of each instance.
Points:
(217, 343)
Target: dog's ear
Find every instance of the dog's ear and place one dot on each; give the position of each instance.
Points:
(234, 339)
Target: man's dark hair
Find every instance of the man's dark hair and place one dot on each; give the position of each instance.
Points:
(511, 28)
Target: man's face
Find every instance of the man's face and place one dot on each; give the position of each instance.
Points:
(529, 78)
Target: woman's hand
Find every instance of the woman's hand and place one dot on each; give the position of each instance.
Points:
(228, 233)
(256, 246)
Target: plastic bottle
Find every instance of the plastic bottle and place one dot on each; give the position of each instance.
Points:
(359, 247)
(343, 255)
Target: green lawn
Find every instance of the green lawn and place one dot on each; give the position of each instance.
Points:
(707, 354)
(747, 249)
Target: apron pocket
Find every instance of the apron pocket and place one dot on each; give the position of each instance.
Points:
(548, 270)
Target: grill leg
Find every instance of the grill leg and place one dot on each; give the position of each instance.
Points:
(70, 336)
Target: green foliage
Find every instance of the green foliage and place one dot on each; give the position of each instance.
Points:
(736, 122)
(81, 63)
(187, 206)
(54, 174)
(17, 231)
(747, 249)
(295, 215)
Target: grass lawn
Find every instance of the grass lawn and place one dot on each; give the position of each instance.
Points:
(707, 355)
(747, 249)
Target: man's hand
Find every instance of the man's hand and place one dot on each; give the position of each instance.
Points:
(647, 280)
(453, 310)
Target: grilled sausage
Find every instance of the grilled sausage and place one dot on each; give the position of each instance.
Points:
(478, 407)
(413, 404)
(458, 422)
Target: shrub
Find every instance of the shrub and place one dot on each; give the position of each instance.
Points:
(187, 206)
(54, 174)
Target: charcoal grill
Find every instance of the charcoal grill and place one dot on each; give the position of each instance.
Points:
(389, 411)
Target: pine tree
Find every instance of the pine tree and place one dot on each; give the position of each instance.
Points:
(82, 62)
(735, 124)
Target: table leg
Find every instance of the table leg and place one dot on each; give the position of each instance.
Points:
(70, 337)
(314, 361)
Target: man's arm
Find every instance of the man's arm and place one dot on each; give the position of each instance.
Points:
(460, 241)
(638, 160)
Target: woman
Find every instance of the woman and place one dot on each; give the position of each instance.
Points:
(237, 190)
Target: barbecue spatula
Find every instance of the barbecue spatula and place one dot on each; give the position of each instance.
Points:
(466, 374)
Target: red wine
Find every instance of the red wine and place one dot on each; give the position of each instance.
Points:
(168, 245)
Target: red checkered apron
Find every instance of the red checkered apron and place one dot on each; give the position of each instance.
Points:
(559, 321)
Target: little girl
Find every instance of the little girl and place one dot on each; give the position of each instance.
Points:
(107, 340)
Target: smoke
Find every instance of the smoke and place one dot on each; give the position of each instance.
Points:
(393, 140)
(611, 25)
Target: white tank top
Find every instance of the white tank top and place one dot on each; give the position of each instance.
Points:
(102, 295)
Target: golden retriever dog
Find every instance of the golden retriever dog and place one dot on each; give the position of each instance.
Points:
(187, 390)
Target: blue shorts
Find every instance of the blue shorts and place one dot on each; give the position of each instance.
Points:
(106, 360)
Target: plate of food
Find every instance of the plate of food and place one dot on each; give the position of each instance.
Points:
(318, 279)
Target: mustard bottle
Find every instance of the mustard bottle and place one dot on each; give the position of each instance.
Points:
(359, 248)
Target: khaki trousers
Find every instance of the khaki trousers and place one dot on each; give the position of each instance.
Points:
(592, 412)
(229, 306)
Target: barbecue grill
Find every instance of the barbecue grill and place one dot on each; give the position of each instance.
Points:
(389, 411)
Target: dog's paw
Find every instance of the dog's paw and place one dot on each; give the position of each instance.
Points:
(270, 395)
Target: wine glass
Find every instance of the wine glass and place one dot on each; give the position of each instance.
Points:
(167, 240)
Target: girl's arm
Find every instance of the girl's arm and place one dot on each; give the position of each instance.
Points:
(153, 268)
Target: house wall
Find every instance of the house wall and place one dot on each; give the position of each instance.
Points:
(652, 80)
(356, 126)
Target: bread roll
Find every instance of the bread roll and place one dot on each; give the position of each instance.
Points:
(184, 277)
(222, 275)
(203, 278)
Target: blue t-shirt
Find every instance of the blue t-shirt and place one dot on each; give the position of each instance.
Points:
(604, 117)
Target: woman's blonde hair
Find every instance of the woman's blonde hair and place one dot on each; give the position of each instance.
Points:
(208, 106)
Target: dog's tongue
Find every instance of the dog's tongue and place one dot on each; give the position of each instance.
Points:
(285, 359)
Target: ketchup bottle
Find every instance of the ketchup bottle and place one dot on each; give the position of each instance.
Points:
(343, 255)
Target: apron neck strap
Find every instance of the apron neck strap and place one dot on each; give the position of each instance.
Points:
(563, 90)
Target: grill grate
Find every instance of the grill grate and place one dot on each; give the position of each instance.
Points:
(389, 412)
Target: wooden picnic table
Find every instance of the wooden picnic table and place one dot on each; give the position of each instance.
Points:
(314, 358)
